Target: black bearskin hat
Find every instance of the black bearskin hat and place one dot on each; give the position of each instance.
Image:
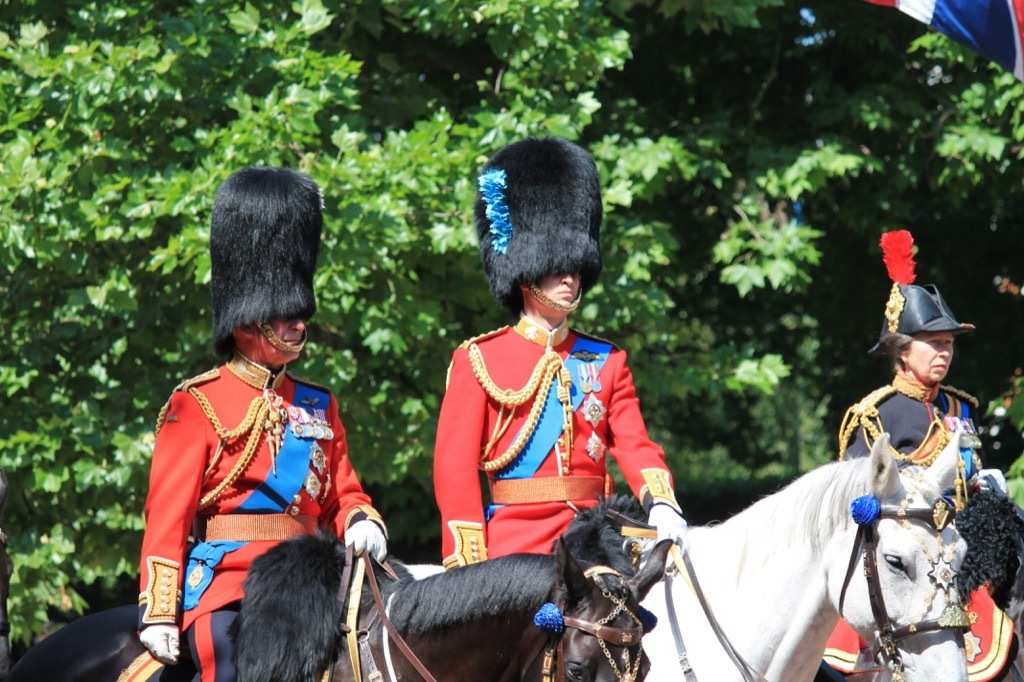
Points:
(264, 240)
(911, 308)
(538, 213)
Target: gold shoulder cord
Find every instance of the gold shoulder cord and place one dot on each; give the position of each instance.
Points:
(863, 414)
(188, 383)
(252, 424)
(549, 366)
(255, 416)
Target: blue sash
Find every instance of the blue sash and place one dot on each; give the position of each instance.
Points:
(292, 464)
(549, 426)
(273, 495)
(204, 557)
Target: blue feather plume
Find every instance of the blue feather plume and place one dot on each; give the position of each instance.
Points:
(492, 187)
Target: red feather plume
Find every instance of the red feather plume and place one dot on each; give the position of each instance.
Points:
(898, 256)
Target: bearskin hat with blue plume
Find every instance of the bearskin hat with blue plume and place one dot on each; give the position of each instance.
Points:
(911, 308)
(264, 242)
(538, 213)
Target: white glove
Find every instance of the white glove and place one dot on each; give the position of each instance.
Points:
(367, 536)
(162, 642)
(670, 523)
(992, 479)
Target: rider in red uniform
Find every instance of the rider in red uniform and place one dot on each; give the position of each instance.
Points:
(539, 406)
(247, 454)
(921, 416)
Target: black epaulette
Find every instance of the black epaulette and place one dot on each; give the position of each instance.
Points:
(294, 377)
(469, 342)
(962, 395)
(592, 337)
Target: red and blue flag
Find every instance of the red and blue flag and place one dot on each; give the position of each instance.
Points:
(992, 28)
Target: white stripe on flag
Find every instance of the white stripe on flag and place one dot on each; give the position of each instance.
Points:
(1018, 67)
(922, 10)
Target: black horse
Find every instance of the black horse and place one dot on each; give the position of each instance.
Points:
(476, 622)
(6, 569)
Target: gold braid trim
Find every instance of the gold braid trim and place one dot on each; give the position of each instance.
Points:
(252, 424)
(188, 383)
(543, 374)
(894, 307)
(863, 414)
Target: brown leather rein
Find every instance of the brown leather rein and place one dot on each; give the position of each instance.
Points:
(554, 661)
(940, 515)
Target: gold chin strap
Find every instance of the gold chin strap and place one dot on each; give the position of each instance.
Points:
(277, 342)
(549, 302)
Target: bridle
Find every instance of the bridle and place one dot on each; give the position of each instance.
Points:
(553, 665)
(936, 517)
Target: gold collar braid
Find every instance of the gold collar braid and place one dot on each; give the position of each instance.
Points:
(534, 333)
(548, 368)
(913, 388)
(254, 374)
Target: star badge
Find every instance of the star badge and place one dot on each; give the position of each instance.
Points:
(943, 575)
(593, 409)
(596, 448)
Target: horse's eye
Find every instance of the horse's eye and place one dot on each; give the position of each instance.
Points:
(894, 561)
(576, 672)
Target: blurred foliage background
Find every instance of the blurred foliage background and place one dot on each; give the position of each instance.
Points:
(751, 151)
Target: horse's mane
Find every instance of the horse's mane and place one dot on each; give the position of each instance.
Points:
(288, 627)
(806, 513)
(808, 510)
(519, 582)
(811, 509)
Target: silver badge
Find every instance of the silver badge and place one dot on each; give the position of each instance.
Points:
(593, 410)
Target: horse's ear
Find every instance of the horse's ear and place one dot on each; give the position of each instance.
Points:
(652, 571)
(885, 475)
(569, 577)
(942, 473)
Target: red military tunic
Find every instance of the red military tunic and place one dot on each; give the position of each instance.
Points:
(197, 483)
(608, 419)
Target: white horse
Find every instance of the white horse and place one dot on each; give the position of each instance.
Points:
(777, 577)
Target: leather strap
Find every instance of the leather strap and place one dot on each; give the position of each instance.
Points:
(684, 659)
(355, 593)
(617, 636)
(392, 633)
(746, 671)
(546, 489)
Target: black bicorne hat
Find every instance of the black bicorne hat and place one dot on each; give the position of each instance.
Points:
(911, 308)
(538, 213)
(264, 241)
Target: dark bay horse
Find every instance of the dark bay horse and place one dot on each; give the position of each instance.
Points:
(6, 569)
(473, 623)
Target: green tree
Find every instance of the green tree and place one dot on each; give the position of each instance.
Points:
(751, 153)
